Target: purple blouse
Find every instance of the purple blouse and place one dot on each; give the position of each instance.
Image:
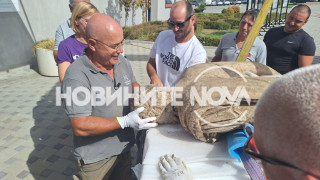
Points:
(70, 49)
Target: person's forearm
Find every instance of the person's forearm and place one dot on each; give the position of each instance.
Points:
(135, 85)
(62, 68)
(305, 60)
(93, 125)
(216, 59)
(151, 70)
(55, 55)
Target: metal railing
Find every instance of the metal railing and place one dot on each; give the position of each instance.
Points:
(276, 16)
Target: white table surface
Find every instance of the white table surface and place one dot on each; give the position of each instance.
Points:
(206, 161)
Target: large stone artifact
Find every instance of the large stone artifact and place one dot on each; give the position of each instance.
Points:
(210, 98)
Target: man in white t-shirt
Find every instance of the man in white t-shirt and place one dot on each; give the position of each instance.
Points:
(175, 50)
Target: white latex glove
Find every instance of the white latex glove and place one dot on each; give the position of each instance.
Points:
(133, 120)
(173, 168)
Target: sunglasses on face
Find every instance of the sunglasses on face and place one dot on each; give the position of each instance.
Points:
(178, 24)
(251, 149)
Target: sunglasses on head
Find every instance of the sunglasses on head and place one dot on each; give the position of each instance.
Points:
(178, 24)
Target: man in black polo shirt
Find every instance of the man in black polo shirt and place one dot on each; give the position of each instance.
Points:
(290, 47)
(103, 133)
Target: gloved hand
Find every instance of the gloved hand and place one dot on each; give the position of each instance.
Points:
(173, 168)
(133, 120)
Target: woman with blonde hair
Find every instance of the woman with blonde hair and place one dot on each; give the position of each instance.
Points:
(72, 47)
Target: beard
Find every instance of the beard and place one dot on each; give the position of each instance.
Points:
(291, 29)
(181, 34)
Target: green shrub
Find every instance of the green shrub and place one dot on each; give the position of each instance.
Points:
(233, 22)
(199, 27)
(126, 32)
(273, 17)
(237, 15)
(223, 25)
(224, 10)
(235, 27)
(230, 10)
(236, 9)
(156, 23)
(197, 10)
(153, 36)
(220, 24)
(222, 14)
(145, 31)
(149, 31)
(219, 33)
(210, 25)
(130, 33)
(201, 8)
(208, 41)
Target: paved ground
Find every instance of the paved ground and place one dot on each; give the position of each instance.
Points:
(35, 135)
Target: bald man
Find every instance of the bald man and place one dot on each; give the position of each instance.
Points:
(175, 50)
(64, 30)
(290, 47)
(287, 125)
(102, 126)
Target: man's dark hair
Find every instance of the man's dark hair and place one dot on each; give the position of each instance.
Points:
(252, 12)
(302, 8)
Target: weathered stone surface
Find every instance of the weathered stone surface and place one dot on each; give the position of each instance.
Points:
(161, 109)
(224, 69)
(223, 114)
(206, 121)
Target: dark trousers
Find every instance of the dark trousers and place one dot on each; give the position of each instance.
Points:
(116, 167)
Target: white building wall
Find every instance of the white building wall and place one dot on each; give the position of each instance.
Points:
(37, 20)
(158, 10)
(43, 17)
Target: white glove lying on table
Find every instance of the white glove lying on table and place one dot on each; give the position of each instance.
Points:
(134, 121)
(173, 168)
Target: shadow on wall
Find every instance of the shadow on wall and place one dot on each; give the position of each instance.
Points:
(113, 10)
(52, 156)
(15, 42)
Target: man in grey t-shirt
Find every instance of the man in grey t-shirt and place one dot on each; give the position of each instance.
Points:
(64, 30)
(102, 125)
(231, 43)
